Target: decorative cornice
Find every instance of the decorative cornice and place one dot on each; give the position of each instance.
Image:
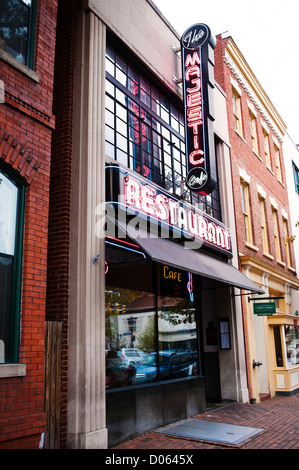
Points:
(266, 268)
(35, 113)
(245, 77)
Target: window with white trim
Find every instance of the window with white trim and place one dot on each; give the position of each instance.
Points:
(237, 112)
(246, 212)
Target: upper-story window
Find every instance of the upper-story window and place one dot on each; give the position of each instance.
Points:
(246, 211)
(237, 112)
(17, 27)
(263, 224)
(267, 149)
(145, 128)
(286, 240)
(276, 234)
(253, 132)
(11, 230)
(277, 163)
(296, 177)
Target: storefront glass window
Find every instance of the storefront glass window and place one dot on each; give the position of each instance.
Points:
(145, 129)
(292, 344)
(130, 333)
(151, 328)
(177, 329)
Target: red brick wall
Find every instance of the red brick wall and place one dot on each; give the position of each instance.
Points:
(60, 192)
(26, 125)
(242, 156)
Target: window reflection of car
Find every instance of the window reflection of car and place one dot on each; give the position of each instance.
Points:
(131, 355)
(172, 365)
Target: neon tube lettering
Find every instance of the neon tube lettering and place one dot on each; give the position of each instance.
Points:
(162, 210)
(132, 192)
(194, 116)
(195, 159)
(148, 199)
(197, 87)
(192, 60)
(144, 197)
(173, 206)
(193, 223)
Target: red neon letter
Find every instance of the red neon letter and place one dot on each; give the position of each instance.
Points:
(192, 60)
(196, 82)
(192, 71)
(162, 207)
(147, 199)
(194, 99)
(194, 114)
(132, 192)
(194, 157)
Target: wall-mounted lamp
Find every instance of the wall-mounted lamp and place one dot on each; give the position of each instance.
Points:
(256, 363)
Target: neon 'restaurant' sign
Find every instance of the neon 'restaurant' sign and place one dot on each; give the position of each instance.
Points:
(141, 197)
(198, 83)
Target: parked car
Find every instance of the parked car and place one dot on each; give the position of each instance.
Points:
(131, 355)
(172, 365)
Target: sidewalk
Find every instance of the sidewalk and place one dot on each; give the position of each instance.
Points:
(277, 417)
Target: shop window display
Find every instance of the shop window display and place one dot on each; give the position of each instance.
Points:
(292, 345)
(151, 327)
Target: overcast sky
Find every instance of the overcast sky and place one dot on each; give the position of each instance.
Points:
(267, 34)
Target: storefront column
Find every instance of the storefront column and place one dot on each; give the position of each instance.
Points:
(86, 375)
(233, 376)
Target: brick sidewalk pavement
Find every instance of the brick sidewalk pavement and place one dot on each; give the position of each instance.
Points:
(278, 417)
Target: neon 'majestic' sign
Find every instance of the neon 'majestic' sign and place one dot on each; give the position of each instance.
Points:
(198, 80)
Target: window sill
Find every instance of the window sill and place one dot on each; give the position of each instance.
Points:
(269, 169)
(257, 155)
(18, 65)
(252, 247)
(267, 255)
(240, 135)
(12, 370)
(291, 269)
(280, 182)
(281, 263)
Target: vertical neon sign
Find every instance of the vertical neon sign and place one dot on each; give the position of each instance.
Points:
(198, 79)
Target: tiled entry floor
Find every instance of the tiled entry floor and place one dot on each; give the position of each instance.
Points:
(209, 431)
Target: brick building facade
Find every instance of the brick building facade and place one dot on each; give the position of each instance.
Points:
(263, 225)
(26, 126)
(52, 167)
(96, 50)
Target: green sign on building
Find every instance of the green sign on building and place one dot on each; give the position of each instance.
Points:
(264, 308)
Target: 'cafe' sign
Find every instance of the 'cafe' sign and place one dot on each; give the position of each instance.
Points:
(198, 79)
